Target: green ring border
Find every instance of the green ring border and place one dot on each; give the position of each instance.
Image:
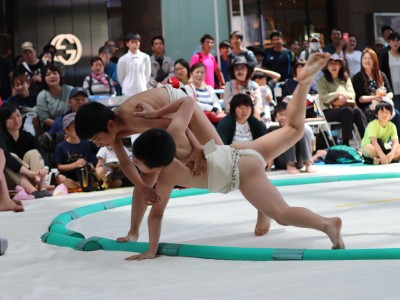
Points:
(59, 235)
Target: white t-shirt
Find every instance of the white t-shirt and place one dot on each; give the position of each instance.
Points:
(109, 154)
(394, 65)
(242, 133)
(354, 62)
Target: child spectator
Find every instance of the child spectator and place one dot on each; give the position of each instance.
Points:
(298, 155)
(266, 94)
(73, 156)
(379, 132)
(98, 82)
(108, 168)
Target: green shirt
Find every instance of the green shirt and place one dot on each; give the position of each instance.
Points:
(381, 133)
(327, 90)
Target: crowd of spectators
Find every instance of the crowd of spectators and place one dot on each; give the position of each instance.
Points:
(354, 81)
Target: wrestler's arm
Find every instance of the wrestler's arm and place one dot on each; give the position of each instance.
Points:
(131, 172)
(164, 188)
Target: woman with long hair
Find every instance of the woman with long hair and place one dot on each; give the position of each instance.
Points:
(336, 94)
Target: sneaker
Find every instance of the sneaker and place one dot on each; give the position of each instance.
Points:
(3, 246)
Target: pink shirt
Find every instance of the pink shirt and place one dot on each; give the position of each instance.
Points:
(211, 65)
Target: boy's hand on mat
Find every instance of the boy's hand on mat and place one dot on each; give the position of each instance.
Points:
(142, 256)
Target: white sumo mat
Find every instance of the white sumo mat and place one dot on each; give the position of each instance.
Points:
(31, 269)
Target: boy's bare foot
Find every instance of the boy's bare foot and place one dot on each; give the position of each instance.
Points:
(314, 64)
(263, 224)
(377, 161)
(309, 167)
(128, 238)
(334, 234)
(291, 169)
(11, 205)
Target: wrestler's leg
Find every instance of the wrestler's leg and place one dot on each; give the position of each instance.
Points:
(254, 183)
(273, 144)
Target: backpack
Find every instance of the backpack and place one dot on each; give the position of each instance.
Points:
(342, 154)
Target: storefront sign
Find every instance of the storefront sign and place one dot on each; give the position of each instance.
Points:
(69, 49)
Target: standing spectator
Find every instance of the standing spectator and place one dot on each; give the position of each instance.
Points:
(225, 49)
(305, 45)
(5, 77)
(98, 82)
(314, 47)
(162, 66)
(279, 59)
(335, 91)
(110, 68)
(182, 71)
(352, 56)
(113, 49)
(390, 65)
(47, 57)
(259, 54)
(236, 39)
(378, 46)
(294, 46)
(52, 101)
(32, 67)
(205, 57)
(240, 124)
(240, 72)
(335, 46)
(133, 68)
(386, 30)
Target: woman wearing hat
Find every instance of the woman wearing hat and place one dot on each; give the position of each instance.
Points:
(240, 72)
(336, 97)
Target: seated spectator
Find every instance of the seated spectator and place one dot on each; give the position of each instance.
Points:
(298, 156)
(182, 71)
(336, 97)
(240, 72)
(98, 83)
(203, 93)
(108, 168)
(26, 150)
(266, 88)
(291, 84)
(52, 101)
(375, 144)
(162, 66)
(240, 124)
(6, 204)
(372, 87)
(74, 157)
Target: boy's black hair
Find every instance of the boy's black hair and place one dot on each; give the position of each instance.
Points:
(281, 106)
(6, 110)
(206, 36)
(238, 100)
(386, 27)
(91, 119)
(383, 105)
(155, 148)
